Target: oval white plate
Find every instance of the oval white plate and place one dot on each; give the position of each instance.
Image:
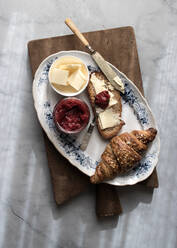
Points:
(135, 112)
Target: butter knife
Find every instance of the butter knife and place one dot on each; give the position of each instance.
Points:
(110, 74)
(87, 135)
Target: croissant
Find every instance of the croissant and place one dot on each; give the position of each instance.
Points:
(122, 154)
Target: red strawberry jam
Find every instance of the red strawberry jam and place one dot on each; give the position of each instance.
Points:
(102, 99)
(71, 115)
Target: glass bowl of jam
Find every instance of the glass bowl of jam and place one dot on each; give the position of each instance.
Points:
(71, 115)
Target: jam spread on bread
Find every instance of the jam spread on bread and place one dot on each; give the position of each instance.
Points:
(71, 114)
(102, 99)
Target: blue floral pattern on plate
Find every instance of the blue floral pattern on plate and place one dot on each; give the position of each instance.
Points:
(68, 143)
(69, 146)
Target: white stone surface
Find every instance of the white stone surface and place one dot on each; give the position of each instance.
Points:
(28, 215)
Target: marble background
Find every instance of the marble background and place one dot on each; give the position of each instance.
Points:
(28, 215)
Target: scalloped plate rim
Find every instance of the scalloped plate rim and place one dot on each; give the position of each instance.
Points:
(83, 170)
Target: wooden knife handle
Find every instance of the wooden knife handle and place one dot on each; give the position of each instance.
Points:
(76, 31)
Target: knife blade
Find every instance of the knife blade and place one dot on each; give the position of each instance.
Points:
(110, 74)
(87, 135)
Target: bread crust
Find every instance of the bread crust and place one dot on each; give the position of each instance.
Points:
(122, 154)
(117, 108)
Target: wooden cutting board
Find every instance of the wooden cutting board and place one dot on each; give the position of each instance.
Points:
(117, 46)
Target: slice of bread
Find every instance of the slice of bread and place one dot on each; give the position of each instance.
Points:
(117, 108)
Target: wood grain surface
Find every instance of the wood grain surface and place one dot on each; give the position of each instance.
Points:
(117, 46)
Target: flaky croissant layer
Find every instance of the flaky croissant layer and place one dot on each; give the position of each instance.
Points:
(122, 154)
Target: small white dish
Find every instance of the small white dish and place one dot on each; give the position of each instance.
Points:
(74, 93)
